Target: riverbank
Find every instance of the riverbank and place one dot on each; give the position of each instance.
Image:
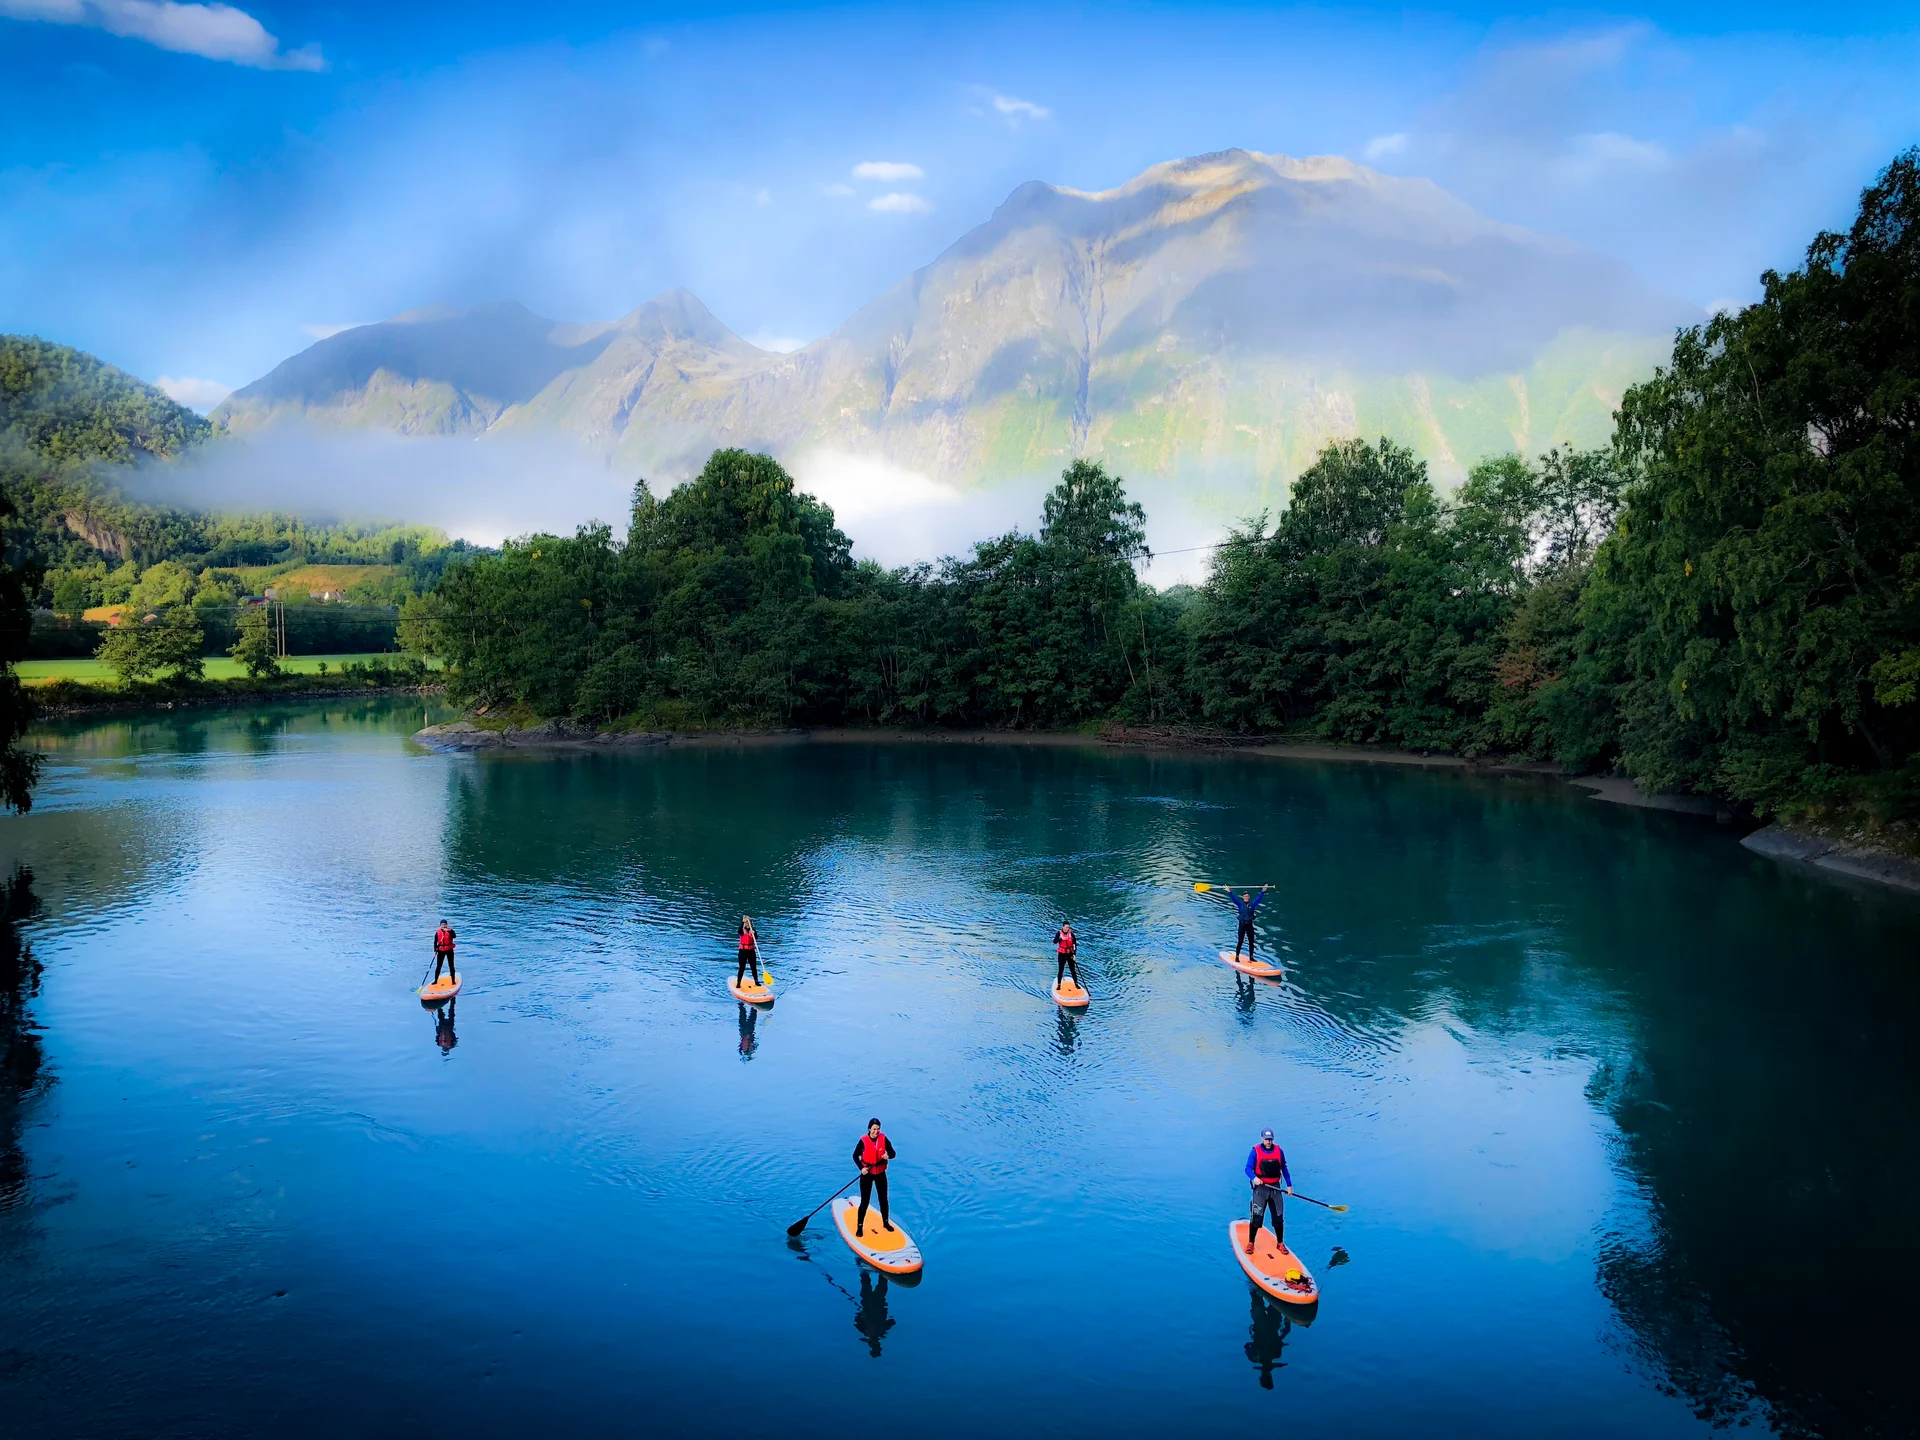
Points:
(474, 735)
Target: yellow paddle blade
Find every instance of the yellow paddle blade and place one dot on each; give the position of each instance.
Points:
(1200, 887)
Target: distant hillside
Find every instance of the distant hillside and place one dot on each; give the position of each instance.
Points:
(70, 428)
(1213, 322)
(66, 405)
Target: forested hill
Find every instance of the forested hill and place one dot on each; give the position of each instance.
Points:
(66, 405)
(70, 425)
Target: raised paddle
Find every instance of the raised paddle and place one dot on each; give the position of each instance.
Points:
(797, 1226)
(1298, 1196)
(1202, 887)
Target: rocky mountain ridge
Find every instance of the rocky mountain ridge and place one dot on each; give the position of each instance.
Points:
(1210, 323)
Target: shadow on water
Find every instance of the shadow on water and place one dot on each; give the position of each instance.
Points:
(443, 1019)
(22, 1075)
(749, 1023)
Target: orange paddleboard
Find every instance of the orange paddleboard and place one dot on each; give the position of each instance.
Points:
(1273, 1267)
(1071, 996)
(1258, 968)
(890, 1250)
(439, 990)
(751, 993)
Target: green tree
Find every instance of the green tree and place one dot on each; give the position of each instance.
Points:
(71, 596)
(19, 768)
(1759, 599)
(129, 650)
(180, 644)
(135, 651)
(254, 645)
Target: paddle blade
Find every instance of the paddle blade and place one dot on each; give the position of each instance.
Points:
(1341, 1208)
(1200, 887)
(797, 1226)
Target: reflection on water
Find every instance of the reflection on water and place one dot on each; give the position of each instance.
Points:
(870, 1316)
(1636, 1093)
(1273, 1322)
(21, 1060)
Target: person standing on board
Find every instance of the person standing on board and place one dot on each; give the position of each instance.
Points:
(443, 952)
(1267, 1173)
(1246, 904)
(1065, 946)
(749, 953)
(871, 1153)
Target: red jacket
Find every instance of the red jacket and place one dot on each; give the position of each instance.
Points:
(443, 938)
(874, 1154)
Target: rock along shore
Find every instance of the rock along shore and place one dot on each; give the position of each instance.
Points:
(1861, 862)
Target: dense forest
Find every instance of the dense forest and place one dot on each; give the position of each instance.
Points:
(1727, 600)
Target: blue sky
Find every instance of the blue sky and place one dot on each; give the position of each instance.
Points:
(196, 191)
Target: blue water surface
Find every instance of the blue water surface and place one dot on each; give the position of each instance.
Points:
(1626, 1115)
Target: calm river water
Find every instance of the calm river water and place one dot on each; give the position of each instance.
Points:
(1627, 1117)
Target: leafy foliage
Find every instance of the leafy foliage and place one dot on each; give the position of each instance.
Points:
(1752, 625)
(734, 601)
(19, 769)
(137, 651)
(253, 644)
(66, 405)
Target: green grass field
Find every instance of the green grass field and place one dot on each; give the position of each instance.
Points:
(89, 671)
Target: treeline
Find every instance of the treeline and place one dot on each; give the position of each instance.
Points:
(1727, 600)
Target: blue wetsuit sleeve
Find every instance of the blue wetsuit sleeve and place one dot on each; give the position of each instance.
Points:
(1286, 1175)
(1250, 1155)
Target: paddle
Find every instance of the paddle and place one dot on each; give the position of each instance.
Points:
(1203, 887)
(797, 1226)
(1323, 1204)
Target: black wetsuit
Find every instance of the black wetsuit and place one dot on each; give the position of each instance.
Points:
(749, 960)
(871, 1183)
(1246, 909)
(1066, 958)
(444, 956)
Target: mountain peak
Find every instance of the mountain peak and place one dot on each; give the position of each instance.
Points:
(1216, 317)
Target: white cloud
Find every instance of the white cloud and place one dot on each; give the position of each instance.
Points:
(898, 203)
(1013, 108)
(779, 344)
(201, 395)
(838, 190)
(215, 32)
(321, 329)
(1381, 146)
(887, 170)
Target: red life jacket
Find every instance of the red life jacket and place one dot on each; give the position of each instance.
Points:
(873, 1153)
(746, 940)
(1269, 1165)
(1063, 942)
(443, 939)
